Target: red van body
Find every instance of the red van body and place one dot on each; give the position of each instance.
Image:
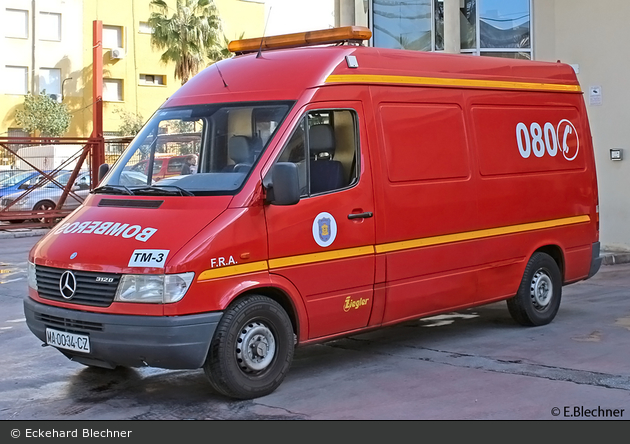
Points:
(462, 181)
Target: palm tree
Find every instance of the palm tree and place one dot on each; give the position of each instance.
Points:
(220, 51)
(186, 35)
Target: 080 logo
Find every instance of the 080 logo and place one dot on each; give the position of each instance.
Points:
(538, 140)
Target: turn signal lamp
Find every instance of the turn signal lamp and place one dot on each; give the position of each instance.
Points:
(347, 34)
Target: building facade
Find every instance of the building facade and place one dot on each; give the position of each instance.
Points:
(586, 34)
(47, 45)
(41, 45)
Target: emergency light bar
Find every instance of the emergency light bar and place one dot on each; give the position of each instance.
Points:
(355, 34)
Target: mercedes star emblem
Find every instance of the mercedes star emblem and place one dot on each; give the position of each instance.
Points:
(67, 285)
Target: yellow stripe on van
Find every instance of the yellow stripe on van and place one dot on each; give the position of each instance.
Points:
(324, 256)
(233, 270)
(438, 81)
(479, 234)
(320, 257)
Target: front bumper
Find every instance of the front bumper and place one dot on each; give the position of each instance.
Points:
(177, 342)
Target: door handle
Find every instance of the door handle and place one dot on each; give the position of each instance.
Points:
(360, 215)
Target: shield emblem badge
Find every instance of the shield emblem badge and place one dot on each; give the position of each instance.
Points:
(324, 229)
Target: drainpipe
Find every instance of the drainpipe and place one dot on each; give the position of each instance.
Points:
(33, 52)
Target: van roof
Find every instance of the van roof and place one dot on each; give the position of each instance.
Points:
(285, 74)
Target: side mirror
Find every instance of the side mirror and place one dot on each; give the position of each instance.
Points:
(102, 171)
(283, 184)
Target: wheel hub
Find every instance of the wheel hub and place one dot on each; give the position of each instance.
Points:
(255, 348)
(541, 290)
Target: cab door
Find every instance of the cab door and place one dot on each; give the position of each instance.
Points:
(324, 244)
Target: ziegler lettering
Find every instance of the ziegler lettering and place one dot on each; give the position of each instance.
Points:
(216, 262)
(108, 229)
(349, 303)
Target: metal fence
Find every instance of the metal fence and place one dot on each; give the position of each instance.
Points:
(42, 180)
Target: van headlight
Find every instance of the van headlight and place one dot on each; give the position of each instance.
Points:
(153, 288)
(31, 276)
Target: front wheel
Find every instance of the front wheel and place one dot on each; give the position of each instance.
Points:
(538, 297)
(252, 349)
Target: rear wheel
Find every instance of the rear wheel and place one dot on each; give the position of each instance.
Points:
(252, 349)
(538, 298)
(43, 205)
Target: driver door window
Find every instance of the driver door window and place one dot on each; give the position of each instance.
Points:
(324, 147)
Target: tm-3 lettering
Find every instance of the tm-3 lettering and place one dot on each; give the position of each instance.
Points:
(148, 258)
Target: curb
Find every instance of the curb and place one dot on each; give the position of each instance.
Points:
(22, 232)
(614, 258)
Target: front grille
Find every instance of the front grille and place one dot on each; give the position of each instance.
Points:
(68, 324)
(88, 290)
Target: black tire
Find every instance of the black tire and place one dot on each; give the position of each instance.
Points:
(17, 221)
(538, 298)
(258, 368)
(43, 205)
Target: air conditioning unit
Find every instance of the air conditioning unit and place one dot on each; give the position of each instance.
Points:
(55, 97)
(117, 53)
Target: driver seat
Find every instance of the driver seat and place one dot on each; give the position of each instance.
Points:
(240, 151)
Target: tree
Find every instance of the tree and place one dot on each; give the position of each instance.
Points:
(131, 123)
(43, 116)
(220, 50)
(186, 36)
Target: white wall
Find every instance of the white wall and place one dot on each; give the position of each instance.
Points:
(594, 36)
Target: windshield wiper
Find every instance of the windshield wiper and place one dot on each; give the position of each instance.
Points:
(159, 189)
(114, 189)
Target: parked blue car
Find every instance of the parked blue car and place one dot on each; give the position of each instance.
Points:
(5, 174)
(20, 182)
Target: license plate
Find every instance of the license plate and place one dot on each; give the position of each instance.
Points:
(69, 341)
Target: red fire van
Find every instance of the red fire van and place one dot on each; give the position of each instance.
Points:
(339, 188)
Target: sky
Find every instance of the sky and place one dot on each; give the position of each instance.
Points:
(289, 16)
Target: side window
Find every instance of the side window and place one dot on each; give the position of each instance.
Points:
(325, 148)
(157, 166)
(175, 165)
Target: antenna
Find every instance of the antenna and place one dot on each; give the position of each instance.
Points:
(220, 75)
(264, 34)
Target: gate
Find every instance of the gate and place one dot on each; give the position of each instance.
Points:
(42, 180)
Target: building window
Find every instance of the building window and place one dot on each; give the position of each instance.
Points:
(499, 28)
(112, 90)
(152, 79)
(49, 26)
(50, 81)
(402, 24)
(144, 28)
(16, 23)
(16, 80)
(112, 37)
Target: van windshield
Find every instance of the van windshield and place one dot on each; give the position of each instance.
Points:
(198, 150)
